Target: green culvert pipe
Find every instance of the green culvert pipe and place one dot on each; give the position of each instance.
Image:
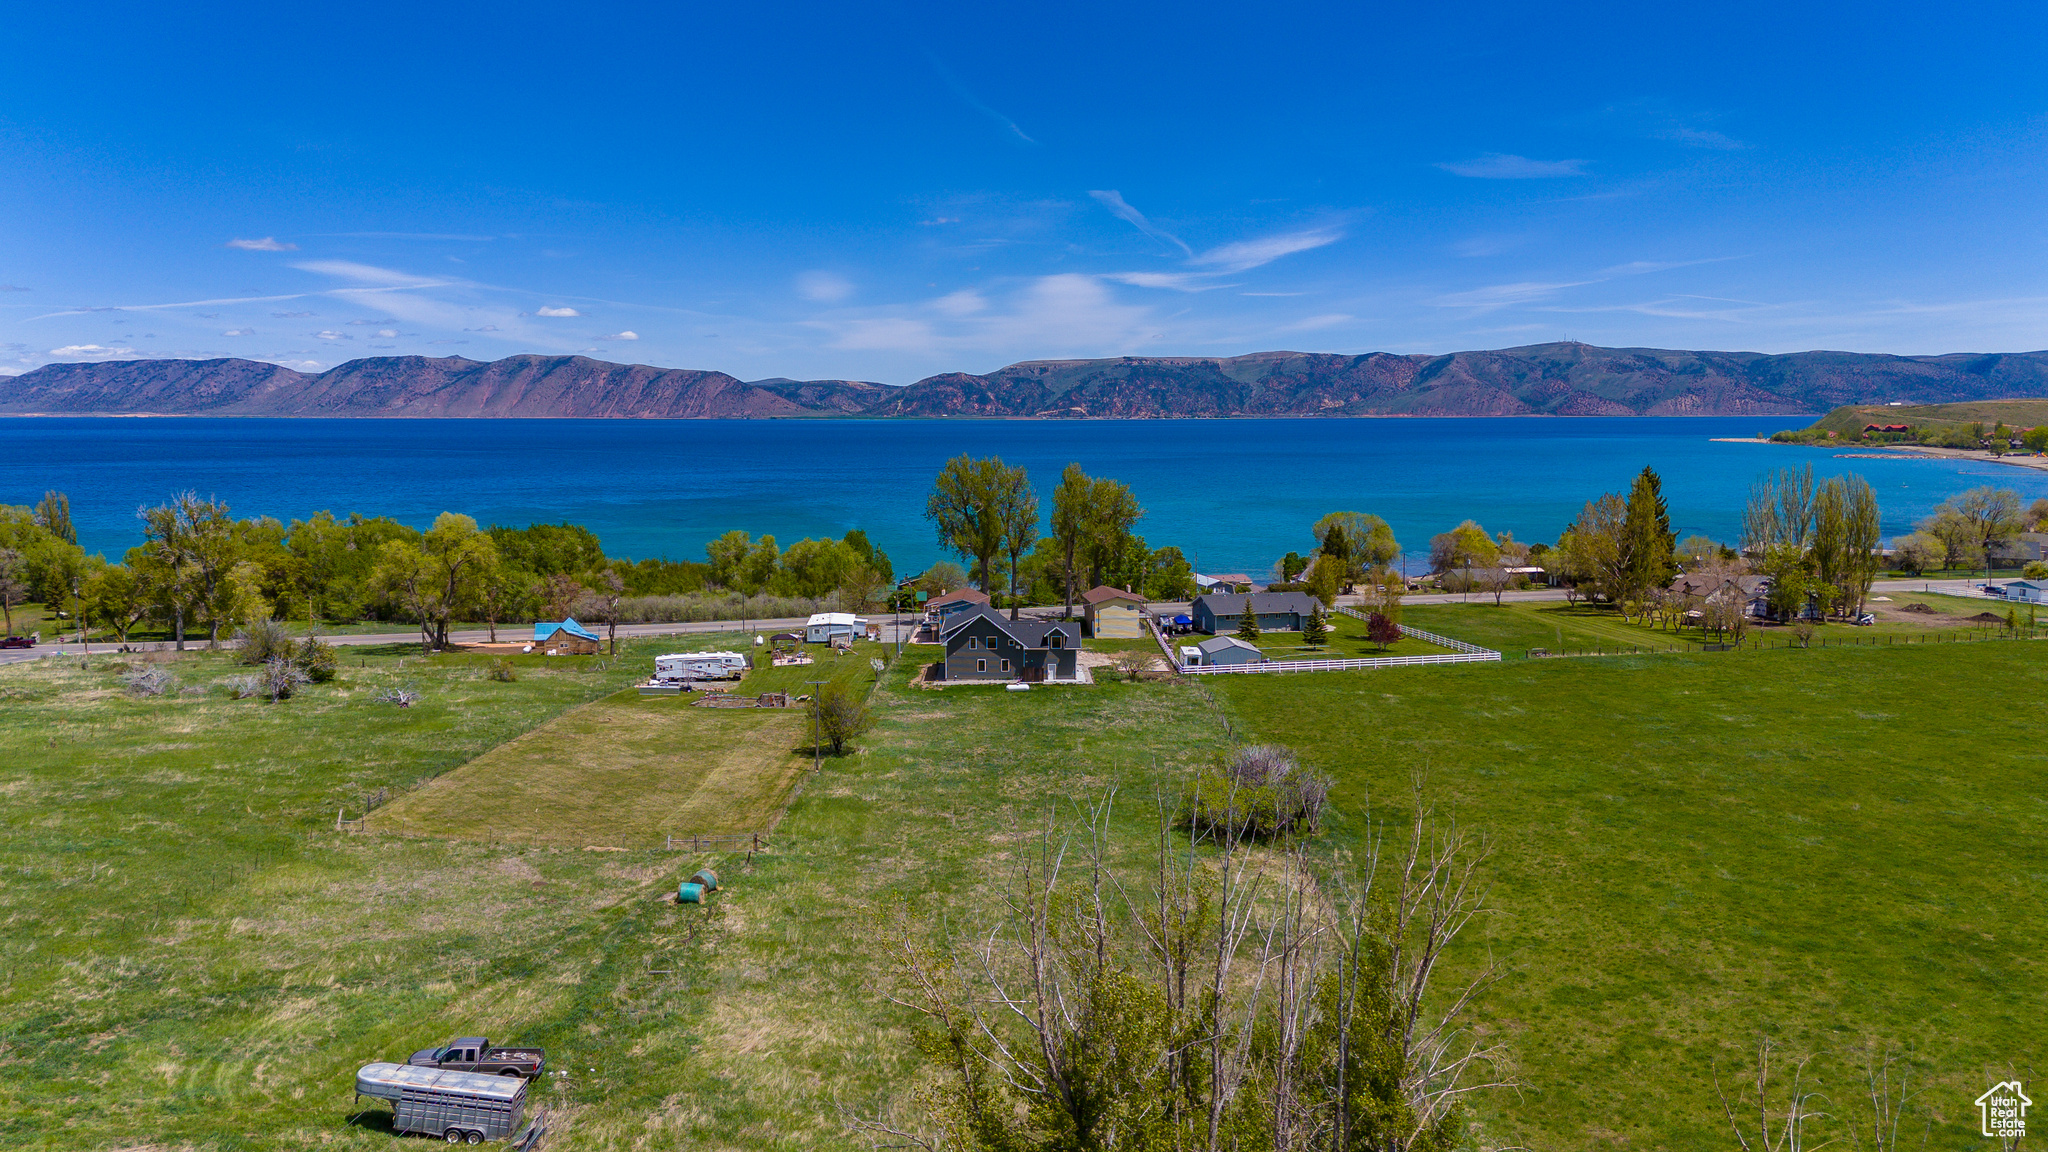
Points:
(707, 878)
(690, 893)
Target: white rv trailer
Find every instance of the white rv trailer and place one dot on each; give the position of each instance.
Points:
(825, 626)
(677, 667)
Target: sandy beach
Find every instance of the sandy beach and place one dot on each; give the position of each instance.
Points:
(1879, 451)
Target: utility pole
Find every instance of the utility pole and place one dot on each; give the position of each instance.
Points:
(817, 740)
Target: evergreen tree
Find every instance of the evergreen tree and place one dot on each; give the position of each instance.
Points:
(1248, 623)
(1648, 543)
(1317, 629)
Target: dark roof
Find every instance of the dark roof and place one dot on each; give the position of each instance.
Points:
(959, 596)
(1026, 631)
(1222, 604)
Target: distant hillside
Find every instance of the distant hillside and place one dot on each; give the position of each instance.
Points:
(1851, 419)
(1543, 379)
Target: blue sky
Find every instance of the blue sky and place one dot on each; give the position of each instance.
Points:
(884, 192)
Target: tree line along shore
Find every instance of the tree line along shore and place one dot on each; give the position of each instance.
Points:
(203, 571)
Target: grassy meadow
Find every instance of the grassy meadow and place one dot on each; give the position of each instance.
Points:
(1822, 845)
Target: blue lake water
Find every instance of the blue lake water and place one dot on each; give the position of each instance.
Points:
(1233, 494)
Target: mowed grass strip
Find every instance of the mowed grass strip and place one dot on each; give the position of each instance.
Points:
(1819, 846)
(628, 771)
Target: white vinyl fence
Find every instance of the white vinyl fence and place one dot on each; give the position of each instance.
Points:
(1461, 653)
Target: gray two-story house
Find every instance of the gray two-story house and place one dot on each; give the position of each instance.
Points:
(1277, 611)
(982, 645)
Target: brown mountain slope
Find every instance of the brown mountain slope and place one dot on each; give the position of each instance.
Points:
(1542, 379)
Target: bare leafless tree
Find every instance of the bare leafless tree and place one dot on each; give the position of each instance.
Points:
(1759, 1121)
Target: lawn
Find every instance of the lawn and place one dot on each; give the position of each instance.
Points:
(1824, 845)
(630, 770)
(1821, 846)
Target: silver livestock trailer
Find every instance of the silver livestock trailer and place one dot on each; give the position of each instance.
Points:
(459, 1107)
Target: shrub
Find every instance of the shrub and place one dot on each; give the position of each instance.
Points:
(403, 697)
(840, 715)
(318, 659)
(2038, 570)
(263, 641)
(501, 671)
(1259, 792)
(149, 682)
(280, 678)
(243, 687)
(1132, 663)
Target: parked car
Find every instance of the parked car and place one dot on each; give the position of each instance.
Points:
(475, 1054)
(17, 642)
(1867, 618)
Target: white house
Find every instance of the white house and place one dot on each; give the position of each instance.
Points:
(820, 629)
(2028, 591)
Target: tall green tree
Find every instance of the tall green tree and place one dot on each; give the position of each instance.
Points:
(193, 540)
(53, 512)
(1647, 538)
(1362, 540)
(968, 506)
(1020, 526)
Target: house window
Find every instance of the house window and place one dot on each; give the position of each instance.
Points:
(974, 642)
(981, 665)
(1006, 665)
(1057, 640)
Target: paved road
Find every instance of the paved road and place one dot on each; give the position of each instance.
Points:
(763, 627)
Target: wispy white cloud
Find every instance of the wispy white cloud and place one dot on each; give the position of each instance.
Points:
(1318, 323)
(1639, 267)
(266, 244)
(292, 315)
(387, 333)
(330, 334)
(1701, 138)
(621, 336)
(546, 310)
(90, 351)
(367, 274)
(1502, 295)
(1114, 201)
(1248, 254)
(14, 288)
(823, 287)
(1061, 315)
(1504, 166)
(1177, 281)
(239, 332)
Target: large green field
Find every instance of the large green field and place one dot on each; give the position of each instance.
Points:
(1820, 845)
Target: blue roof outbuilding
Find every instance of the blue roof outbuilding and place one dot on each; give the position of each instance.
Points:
(545, 629)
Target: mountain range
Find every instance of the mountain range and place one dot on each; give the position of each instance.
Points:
(1565, 379)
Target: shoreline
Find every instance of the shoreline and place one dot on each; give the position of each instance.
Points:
(1884, 451)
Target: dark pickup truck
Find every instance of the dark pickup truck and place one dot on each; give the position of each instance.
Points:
(475, 1054)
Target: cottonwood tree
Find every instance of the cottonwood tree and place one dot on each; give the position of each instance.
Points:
(13, 588)
(192, 540)
(116, 597)
(969, 505)
(1846, 538)
(1993, 517)
(1465, 547)
(1360, 539)
(1020, 528)
(53, 512)
(1382, 589)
